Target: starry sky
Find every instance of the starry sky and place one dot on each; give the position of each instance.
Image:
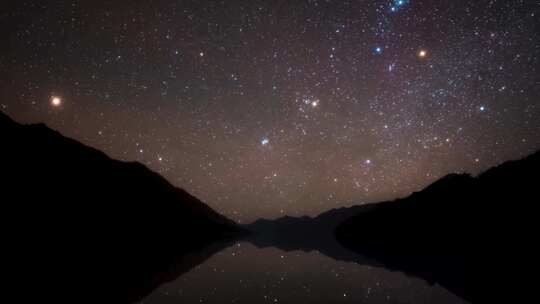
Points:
(266, 108)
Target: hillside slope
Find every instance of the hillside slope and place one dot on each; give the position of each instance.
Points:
(94, 225)
(469, 234)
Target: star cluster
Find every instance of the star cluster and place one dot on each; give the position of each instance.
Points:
(263, 108)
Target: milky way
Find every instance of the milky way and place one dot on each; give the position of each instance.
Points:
(266, 108)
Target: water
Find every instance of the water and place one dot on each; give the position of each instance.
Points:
(243, 273)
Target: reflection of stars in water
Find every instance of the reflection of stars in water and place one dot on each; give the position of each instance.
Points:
(274, 280)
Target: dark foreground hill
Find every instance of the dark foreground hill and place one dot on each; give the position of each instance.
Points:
(79, 226)
(474, 235)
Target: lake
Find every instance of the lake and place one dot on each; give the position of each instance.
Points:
(244, 273)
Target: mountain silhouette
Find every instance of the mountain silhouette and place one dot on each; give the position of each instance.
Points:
(465, 233)
(471, 235)
(82, 227)
(306, 234)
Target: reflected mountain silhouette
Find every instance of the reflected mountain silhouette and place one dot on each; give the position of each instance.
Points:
(318, 234)
(180, 265)
(81, 227)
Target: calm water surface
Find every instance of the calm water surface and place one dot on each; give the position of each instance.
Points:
(244, 273)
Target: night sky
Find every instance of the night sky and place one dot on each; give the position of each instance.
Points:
(267, 108)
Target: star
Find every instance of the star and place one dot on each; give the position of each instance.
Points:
(378, 50)
(265, 141)
(422, 54)
(398, 4)
(56, 101)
